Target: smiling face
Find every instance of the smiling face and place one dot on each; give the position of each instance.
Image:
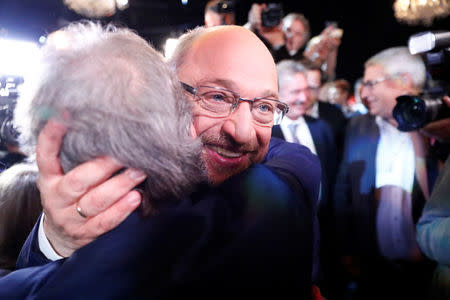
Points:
(295, 93)
(295, 35)
(230, 57)
(380, 98)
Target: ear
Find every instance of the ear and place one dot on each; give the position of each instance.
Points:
(407, 80)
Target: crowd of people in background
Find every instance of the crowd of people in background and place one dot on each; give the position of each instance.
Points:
(275, 177)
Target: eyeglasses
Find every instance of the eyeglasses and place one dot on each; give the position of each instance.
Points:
(221, 102)
(372, 83)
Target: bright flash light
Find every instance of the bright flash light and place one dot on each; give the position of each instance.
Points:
(59, 39)
(184, 2)
(169, 47)
(17, 57)
(42, 39)
(122, 4)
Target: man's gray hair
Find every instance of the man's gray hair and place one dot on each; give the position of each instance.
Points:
(286, 69)
(287, 21)
(121, 99)
(398, 60)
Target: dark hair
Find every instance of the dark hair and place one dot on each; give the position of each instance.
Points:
(20, 206)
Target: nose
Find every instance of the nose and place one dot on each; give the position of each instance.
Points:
(239, 125)
(301, 96)
(364, 92)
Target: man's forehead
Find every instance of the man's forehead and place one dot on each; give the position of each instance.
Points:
(232, 57)
(373, 70)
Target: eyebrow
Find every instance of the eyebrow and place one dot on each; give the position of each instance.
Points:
(230, 85)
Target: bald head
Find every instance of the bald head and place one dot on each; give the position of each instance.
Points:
(232, 58)
(227, 51)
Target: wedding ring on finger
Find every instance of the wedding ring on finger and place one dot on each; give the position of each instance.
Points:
(80, 212)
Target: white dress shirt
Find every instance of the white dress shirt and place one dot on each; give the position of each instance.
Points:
(395, 167)
(395, 160)
(44, 245)
(303, 134)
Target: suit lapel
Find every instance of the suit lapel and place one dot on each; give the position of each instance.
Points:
(315, 129)
(277, 132)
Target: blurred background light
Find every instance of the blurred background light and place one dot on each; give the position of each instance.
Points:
(17, 57)
(169, 47)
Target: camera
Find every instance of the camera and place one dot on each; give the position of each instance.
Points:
(224, 7)
(8, 99)
(271, 15)
(415, 111)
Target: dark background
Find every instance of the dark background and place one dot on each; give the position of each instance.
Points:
(369, 26)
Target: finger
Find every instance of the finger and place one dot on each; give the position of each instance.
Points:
(114, 215)
(47, 149)
(106, 194)
(85, 177)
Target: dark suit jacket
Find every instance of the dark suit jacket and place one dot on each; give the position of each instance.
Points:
(326, 151)
(282, 53)
(333, 115)
(250, 236)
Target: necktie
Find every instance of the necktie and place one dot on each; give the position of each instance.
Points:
(293, 128)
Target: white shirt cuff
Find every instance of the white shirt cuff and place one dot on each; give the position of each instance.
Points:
(44, 245)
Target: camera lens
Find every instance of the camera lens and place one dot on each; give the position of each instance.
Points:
(412, 112)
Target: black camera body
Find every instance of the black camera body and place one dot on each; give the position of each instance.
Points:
(8, 100)
(224, 7)
(272, 15)
(413, 112)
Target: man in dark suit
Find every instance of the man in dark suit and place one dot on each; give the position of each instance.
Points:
(252, 235)
(313, 133)
(383, 181)
(319, 109)
(297, 127)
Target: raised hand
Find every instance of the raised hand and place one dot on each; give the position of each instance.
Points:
(86, 202)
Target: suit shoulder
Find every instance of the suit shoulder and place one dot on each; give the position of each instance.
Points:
(279, 148)
(361, 121)
(328, 107)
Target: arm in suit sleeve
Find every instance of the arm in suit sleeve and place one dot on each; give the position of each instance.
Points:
(433, 228)
(280, 158)
(297, 165)
(20, 284)
(342, 199)
(251, 235)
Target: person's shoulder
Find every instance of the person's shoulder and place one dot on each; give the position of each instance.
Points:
(329, 107)
(317, 121)
(360, 120)
(295, 164)
(280, 147)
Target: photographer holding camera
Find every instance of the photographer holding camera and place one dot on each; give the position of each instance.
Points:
(433, 228)
(289, 37)
(383, 182)
(265, 21)
(10, 153)
(219, 12)
(430, 114)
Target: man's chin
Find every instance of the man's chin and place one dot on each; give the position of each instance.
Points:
(218, 175)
